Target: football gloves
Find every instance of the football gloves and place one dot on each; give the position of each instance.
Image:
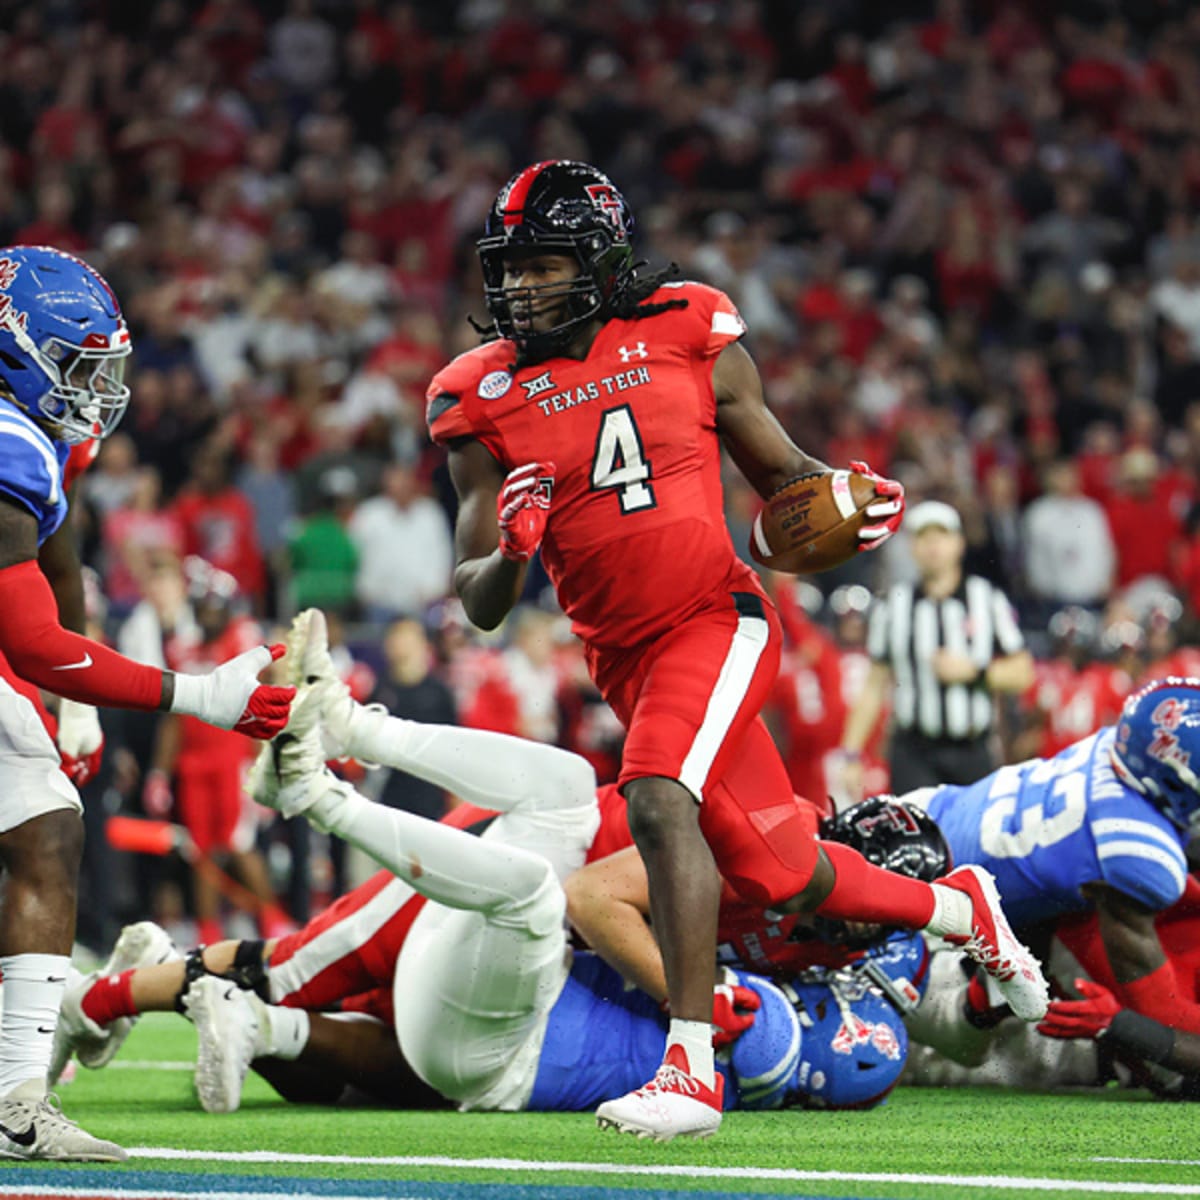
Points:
(734, 1007)
(885, 514)
(80, 741)
(522, 509)
(231, 697)
(1089, 1017)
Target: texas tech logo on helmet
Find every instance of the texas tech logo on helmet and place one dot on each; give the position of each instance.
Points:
(608, 201)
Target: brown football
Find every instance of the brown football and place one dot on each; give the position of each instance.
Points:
(812, 523)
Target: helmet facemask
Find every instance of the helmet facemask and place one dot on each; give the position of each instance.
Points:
(604, 269)
(88, 394)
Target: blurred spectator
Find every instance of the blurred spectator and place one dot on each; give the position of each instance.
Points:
(408, 688)
(114, 478)
(135, 536)
(1144, 526)
(520, 695)
(323, 559)
(391, 584)
(1069, 552)
(219, 524)
(271, 494)
(198, 771)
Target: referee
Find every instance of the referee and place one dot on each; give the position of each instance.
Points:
(943, 646)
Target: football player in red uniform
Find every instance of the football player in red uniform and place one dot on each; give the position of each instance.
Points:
(589, 425)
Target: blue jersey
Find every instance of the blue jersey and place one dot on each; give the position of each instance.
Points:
(603, 1040)
(1046, 827)
(31, 469)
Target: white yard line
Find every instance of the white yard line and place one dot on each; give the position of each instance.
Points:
(525, 1166)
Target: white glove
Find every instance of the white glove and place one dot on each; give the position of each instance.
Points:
(80, 741)
(79, 731)
(231, 696)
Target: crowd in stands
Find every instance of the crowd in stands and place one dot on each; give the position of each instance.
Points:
(963, 234)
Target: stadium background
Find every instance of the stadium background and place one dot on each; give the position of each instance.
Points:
(962, 235)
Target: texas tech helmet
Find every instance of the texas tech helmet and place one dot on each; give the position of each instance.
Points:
(558, 207)
(897, 837)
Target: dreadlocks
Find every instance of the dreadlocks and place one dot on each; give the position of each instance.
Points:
(629, 304)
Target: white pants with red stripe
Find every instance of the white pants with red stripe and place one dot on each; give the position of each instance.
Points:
(481, 967)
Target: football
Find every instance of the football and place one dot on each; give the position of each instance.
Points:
(812, 523)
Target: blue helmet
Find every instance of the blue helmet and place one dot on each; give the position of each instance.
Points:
(765, 1058)
(63, 343)
(1156, 748)
(853, 1044)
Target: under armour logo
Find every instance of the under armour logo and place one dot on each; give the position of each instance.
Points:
(638, 351)
(535, 387)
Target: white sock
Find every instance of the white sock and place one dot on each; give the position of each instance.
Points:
(696, 1039)
(33, 990)
(951, 912)
(491, 770)
(287, 1032)
(446, 864)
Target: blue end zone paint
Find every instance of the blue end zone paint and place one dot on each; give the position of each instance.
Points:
(89, 1183)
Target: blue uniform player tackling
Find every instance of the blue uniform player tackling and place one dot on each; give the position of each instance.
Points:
(1104, 824)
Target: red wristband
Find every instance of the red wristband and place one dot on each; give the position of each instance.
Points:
(41, 651)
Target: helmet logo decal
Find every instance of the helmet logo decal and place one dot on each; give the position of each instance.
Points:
(608, 203)
(1169, 714)
(854, 1031)
(10, 315)
(894, 816)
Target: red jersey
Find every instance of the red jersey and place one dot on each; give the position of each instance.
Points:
(636, 541)
(1074, 704)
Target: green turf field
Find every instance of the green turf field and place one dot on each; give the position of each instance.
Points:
(923, 1143)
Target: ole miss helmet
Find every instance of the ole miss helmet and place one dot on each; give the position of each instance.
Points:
(1156, 748)
(63, 343)
(559, 207)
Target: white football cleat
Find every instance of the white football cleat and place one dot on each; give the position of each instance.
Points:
(992, 944)
(32, 1127)
(231, 1033)
(673, 1104)
(314, 669)
(142, 945)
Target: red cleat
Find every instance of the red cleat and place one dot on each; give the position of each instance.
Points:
(673, 1104)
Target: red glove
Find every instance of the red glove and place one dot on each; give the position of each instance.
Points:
(231, 697)
(80, 741)
(886, 513)
(522, 509)
(1086, 1018)
(734, 1007)
(156, 795)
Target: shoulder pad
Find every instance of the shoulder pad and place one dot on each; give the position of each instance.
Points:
(478, 375)
(712, 318)
(32, 470)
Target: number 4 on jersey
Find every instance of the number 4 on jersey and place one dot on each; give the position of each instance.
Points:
(620, 462)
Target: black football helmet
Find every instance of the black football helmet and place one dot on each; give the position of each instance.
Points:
(897, 837)
(559, 207)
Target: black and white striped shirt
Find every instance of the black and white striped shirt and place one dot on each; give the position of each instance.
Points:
(906, 627)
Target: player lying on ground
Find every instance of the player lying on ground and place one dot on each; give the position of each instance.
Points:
(1102, 826)
(63, 346)
(436, 754)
